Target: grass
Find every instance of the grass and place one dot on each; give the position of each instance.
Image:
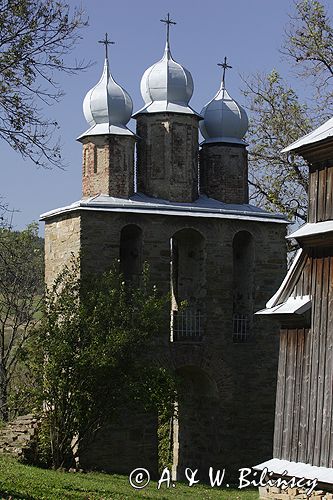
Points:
(18, 481)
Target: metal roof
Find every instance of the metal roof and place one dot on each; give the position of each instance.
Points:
(288, 282)
(224, 119)
(107, 107)
(167, 87)
(298, 470)
(319, 134)
(312, 228)
(293, 305)
(140, 203)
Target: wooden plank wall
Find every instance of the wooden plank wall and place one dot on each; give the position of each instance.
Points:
(320, 194)
(304, 401)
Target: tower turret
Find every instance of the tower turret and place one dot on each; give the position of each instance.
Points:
(167, 153)
(223, 156)
(108, 145)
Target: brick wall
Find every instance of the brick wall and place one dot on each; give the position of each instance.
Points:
(108, 166)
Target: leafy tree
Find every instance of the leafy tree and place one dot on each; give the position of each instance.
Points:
(90, 355)
(279, 182)
(309, 45)
(279, 117)
(21, 288)
(35, 38)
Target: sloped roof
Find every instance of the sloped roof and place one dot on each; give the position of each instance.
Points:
(293, 305)
(298, 470)
(140, 203)
(312, 228)
(319, 134)
(283, 301)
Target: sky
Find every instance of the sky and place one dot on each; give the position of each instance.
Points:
(248, 32)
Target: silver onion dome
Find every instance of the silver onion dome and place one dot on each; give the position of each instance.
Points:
(107, 107)
(224, 120)
(167, 86)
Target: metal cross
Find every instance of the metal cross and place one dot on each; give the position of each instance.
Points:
(106, 42)
(167, 21)
(225, 66)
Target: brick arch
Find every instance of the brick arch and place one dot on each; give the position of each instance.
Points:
(197, 380)
(213, 364)
(184, 227)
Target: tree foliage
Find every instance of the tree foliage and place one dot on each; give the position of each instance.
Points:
(279, 182)
(35, 38)
(90, 355)
(279, 116)
(21, 290)
(309, 45)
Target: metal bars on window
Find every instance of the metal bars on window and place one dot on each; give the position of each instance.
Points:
(186, 325)
(241, 328)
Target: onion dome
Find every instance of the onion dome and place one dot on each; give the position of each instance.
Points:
(167, 86)
(107, 107)
(224, 119)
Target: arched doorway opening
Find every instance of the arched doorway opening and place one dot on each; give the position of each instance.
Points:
(195, 422)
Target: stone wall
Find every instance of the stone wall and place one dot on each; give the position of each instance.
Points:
(62, 242)
(167, 156)
(241, 419)
(223, 172)
(274, 493)
(19, 438)
(129, 442)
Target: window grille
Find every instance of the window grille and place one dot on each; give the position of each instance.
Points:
(241, 328)
(186, 325)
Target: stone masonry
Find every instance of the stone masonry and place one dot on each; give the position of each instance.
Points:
(167, 156)
(229, 420)
(19, 438)
(274, 493)
(223, 172)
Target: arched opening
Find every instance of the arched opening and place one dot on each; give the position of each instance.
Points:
(243, 285)
(187, 285)
(195, 423)
(130, 252)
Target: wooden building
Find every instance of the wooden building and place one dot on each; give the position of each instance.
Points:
(303, 436)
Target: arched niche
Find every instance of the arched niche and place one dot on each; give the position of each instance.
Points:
(188, 275)
(243, 285)
(130, 252)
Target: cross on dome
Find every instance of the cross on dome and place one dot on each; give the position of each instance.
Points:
(225, 66)
(225, 121)
(107, 107)
(166, 85)
(168, 22)
(106, 42)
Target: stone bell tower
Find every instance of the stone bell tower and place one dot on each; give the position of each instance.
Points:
(108, 145)
(223, 155)
(167, 154)
(215, 256)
